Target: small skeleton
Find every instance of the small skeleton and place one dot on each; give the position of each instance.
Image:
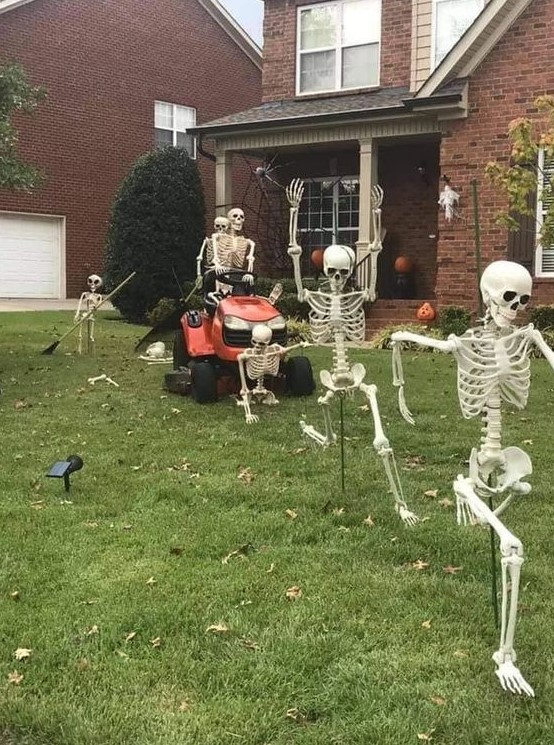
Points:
(337, 315)
(231, 249)
(206, 254)
(493, 367)
(258, 361)
(89, 301)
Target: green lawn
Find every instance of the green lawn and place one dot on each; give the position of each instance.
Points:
(120, 580)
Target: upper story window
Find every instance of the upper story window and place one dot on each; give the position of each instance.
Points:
(171, 123)
(338, 45)
(451, 18)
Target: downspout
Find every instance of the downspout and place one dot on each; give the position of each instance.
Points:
(203, 152)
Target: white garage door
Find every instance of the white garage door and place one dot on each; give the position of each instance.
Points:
(31, 251)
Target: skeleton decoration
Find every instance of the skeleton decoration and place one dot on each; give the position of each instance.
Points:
(206, 253)
(337, 315)
(156, 354)
(256, 362)
(89, 301)
(231, 249)
(493, 367)
(93, 381)
(448, 199)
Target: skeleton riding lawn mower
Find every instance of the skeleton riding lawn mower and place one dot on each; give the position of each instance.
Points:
(209, 341)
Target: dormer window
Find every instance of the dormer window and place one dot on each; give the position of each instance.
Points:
(451, 18)
(338, 46)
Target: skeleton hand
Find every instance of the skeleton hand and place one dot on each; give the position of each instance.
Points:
(219, 268)
(294, 192)
(305, 344)
(248, 278)
(252, 418)
(408, 518)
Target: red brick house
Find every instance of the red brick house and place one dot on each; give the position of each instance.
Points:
(406, 93)
(122, 76)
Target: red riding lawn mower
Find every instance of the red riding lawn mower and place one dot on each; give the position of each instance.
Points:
(208, 343)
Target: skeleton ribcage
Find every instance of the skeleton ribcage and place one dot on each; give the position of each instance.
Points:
(258, 366)
(327, 316)
(489, 364)
(231, 251)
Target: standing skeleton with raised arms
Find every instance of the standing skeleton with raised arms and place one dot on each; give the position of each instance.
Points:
(493, 367)
(337, 315)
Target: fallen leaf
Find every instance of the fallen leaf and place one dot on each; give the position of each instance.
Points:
(15, 678)
(296, 716)
(293, 593)
(368, 521)
(460, 653)
(123, 654)
(175, 411)
(446, 503)
(14, 595)
(246, 475)
(249, 644)
(271, 568)
(419, 565)
(414, 461)
(527, 442)
(243, 603)
(365, 407)
(185, 705)
(20, 404)
(151, 581)
(426, 624)
(83, 664)
(239, 553)
(292, 514)
(130, 635)
(297, 451)
(451, 570)
(338, 511)
(218, 628)
(93, 630)
(156, 642)
(343, 529)
(21, 653)
(90, 525)
(438, 700)
(431, 493)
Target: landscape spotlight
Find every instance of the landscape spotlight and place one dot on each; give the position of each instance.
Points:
(62, 468)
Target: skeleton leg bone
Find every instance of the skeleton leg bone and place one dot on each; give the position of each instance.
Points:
(329, 438)
(384, 450)
(511, 549)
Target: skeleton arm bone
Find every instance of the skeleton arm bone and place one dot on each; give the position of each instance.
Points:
(245, 393)
(250, 256)
(397, 372)
(375, 247)
(83, 297)
(294, 195)
(540, 343)
(200, 257)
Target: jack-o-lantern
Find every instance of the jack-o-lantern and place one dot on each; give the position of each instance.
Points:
(403, 265)
(425, 312)
(316, 257)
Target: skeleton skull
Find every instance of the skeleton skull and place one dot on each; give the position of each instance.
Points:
(506, 288)
(261, 336)
(338, 265)
(156, 350)
(221, 224)
(236, 219)
(94, 283)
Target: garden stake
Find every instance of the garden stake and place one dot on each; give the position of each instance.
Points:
(342, 442)
(50, 349)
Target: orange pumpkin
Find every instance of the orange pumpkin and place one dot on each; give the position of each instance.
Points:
(316, 257)
(403, 265)
(425, 312)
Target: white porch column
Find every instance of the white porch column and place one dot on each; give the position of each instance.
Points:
(223, 181)
(368, 173)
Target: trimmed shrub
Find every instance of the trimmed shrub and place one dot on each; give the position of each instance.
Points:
(298, 330)
(156, 229)
(453, 319)
(542, 317)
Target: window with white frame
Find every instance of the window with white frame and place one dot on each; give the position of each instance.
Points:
(451, 18)
(544, 257)
(171, 123)
(338, 45)
(330, 212)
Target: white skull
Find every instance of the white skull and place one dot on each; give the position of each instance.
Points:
(261, 335)
(221, 224)
(236, 219)
(94, 282)
(338, 265)
(156, 350)
(506, 288)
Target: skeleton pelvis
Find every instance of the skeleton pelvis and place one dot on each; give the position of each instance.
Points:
(516, 466)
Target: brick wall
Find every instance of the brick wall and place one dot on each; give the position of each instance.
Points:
(280, 46)
(501, 89)
(104, 63)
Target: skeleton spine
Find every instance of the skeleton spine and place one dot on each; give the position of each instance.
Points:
(492, 430)
(340, 355)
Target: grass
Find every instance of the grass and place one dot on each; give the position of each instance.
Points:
(373, 651)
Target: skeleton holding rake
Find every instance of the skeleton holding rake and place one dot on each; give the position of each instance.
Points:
(493, 368)
(337, 315)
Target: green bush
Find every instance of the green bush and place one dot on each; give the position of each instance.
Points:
(289, 305)
(382, 339)
(156, 229)
(548, 336)
(453, 319)
(298, 330)
(542, 317)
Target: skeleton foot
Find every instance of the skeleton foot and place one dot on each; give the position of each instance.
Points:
(511, 679)
(309, 431)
